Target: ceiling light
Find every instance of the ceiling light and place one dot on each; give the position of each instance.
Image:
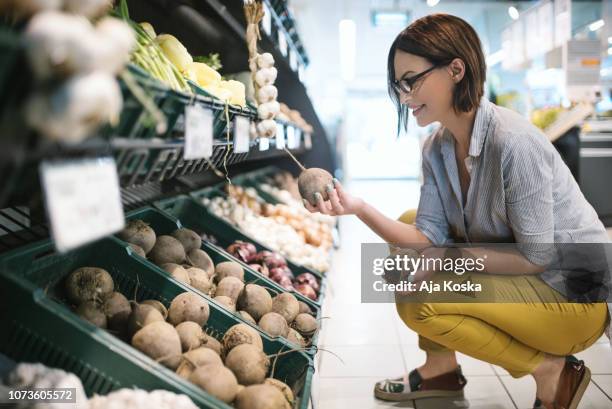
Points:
(596, 25)
(513, 13)
(390, 18)
(432, 3)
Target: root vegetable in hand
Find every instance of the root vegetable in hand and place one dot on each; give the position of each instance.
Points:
(314, 180)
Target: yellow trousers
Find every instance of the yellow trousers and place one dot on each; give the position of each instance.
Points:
(514, 335)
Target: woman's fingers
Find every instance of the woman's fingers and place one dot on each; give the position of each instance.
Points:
(339, 188)
(335, 201)
(321, 204)
(309, 207)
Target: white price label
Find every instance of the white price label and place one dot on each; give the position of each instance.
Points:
(241, 134)
(264, 144)
(280, 136)
(307, 141)
(282, 43)
(198, 132)
(290, 137)
(298, 138)
(266, 22)
(83, 200)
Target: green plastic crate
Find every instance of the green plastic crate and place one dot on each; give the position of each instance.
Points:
(40, 327)
(164, 223)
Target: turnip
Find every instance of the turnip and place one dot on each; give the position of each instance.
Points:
(296, 338)
(188, 238)
(249, 363)
(314, 180)
(228, 269)
(198, 258)
(160, 341)
(261, 397)
(247, 317)
(196, 358)
(305, 324)
(191, 335)
(274, 324)
(188, 307)
(283, 387)
(286, 305)
(230, 287)
(177, 272)
(158, 306)
(89, 311)
(226, 302)
(88, 284)
(199, 279)
(141, 316)
(216, 380)
(167, 249)
(139, 233)
(117, 310)
(240, 334)
(255, 300)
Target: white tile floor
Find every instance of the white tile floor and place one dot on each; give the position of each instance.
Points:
(364, 343)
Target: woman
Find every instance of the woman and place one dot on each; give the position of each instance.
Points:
(489, 176)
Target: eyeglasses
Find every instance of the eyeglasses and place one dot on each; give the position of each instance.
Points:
(407, 84)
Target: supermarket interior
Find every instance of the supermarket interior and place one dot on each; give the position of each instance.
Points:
(199, 198)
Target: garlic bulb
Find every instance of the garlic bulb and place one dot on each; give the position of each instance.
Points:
(267, 93)
(88, 8)
(268, 110)
(116, 40)
(266, 76)
(265, 60)
(267, 128)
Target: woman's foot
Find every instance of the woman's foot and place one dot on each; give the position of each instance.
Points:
(547, 377)
(438, 364)
(570, 385)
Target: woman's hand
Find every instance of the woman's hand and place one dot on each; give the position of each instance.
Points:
(340, 202)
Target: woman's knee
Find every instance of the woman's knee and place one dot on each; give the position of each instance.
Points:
(415, 314)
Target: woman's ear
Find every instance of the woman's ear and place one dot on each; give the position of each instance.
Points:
(456, 70)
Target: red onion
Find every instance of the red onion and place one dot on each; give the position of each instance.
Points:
(277, 274)
(270, 259)
(285, 282)
(263, 270)
(242, 251)
(310, 279)
(306, 291)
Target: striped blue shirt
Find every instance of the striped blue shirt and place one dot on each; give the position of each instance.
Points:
(520, 190)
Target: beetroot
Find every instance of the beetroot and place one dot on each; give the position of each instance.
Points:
(308, 278)
(307, 291)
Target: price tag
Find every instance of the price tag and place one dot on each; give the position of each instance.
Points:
(266, 22)
(264, 144)
(298, 138)
(83, 200)
(308, 141)
(282, 43)
(241, 134)
(280, 136)
(290, 137)
(198, 132)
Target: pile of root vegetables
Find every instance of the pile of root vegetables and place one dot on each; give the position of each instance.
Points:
(233, 368)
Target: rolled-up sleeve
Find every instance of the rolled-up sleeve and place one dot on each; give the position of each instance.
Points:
(528, 180)
(431, 218)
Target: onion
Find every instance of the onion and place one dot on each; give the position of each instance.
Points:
(306, 291)
(263, 270)
(308, 278)
(285, 282)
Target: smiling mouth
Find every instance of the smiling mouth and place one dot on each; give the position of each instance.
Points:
(416, 110)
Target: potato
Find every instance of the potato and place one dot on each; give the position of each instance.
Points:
(247, 317)
(212, 343)
(196, 358)
(228, 269)
(136, 249)
(158, 306)
(198, 258)
(141, 316)
(226, 302)
(305, 324)
(88, 284)
(177, 272)
(304, 308)
(167, 249)
(117, 310)
(240, 334)
(255, 300)
(274, 325)
(283, 387)
(191, 335)
(249, 363)
(160, 341)
(188, 238)
(139, 233)
(261, 397)
(286, 305)
(314, 180)
(296, 338)
(230, 287)
(89, 311)
(216, 380)
(199, 279)
(188, 307)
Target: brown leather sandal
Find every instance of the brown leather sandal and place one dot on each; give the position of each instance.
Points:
(574, 380)
(449, 384)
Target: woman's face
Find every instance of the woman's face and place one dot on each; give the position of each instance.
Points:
(431, 96)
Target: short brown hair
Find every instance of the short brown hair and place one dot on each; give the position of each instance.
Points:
(440, 38)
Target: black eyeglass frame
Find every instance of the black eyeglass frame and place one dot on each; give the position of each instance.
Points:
(409, 82)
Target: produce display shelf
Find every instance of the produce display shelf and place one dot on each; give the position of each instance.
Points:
(40, 326)
(165, 224)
